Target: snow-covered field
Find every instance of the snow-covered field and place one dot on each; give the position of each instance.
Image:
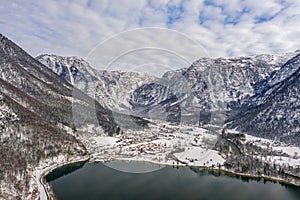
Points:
(284, 161)
(290, 150)
(163, 143)
(200, 157)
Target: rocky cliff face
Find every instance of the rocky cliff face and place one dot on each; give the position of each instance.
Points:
(37, 88)
(210, 87)
(274, 112)
(110, 89)
(240, 90)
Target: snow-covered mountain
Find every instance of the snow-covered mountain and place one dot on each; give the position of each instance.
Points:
(240, 90)
(266, 86)
(43, 92)
(275, 112)
(37, 118)
(207, 89)
(203, 92)
(111, 89)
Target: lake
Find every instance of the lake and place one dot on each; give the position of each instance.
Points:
(98, 181)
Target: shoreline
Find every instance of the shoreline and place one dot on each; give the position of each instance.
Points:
(48, 190)
(226, 172)
(43, 184)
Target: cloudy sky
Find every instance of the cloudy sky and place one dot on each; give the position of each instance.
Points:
(218, 27)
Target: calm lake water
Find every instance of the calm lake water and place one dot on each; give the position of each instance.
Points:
(97, 181)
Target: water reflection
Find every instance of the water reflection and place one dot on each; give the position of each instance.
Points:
(97, 181)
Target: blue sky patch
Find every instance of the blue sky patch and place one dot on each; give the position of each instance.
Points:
(174, 13)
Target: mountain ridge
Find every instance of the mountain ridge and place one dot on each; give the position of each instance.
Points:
(277, 109)
(111, 86)
(210, 90)
(38, 120)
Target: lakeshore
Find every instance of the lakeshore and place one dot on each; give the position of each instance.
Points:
(48, 192)
(178, 146)
(199, 176)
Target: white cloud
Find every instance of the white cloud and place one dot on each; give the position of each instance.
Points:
(229, 28)
(140, 47)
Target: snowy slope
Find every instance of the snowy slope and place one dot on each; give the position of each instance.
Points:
(36, 116)
(111, 89)
(202, 92)
(275, 112)
(43, 92)
(208, 85)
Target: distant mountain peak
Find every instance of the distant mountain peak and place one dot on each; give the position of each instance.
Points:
(111, 88)
(53, 56)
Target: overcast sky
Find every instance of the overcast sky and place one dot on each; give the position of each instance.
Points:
(220, 27)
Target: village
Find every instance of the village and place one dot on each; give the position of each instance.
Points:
(163, 143)
(185, 145)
